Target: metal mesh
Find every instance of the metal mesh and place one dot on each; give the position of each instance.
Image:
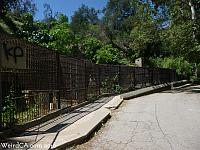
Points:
(45, 81)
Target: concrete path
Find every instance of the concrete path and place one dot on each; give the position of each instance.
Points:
(48, 135)
(162, 121)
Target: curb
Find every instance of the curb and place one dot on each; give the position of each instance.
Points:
(81, 129)
(183, 86)
(72, 136)
(18, 129)
(152, 89)
(114, 103)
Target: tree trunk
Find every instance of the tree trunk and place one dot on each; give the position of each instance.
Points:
(193, 12)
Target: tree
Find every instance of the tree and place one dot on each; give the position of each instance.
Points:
(108, 55)
(118, 15)
(183, 67)
(13, 14)
(27, 28)
(24, 6)
(90, 47)
(61, 18)
(145, 40)
(48, 12)
(118, 22)
(63, 40)
(183, 10)
(7, 5)
(82, 18)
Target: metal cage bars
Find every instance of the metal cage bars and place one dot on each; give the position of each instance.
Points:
(45, 80)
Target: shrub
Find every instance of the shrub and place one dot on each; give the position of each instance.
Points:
(182, 66)
(107, 55)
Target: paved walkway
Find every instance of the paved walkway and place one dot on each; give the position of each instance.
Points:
(162, 121)
(45, 134)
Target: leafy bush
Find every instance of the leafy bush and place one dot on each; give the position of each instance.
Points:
(91, 45)
(110, 84)
(63, 39)
(182, 66)
(107, 55)
(9, 110)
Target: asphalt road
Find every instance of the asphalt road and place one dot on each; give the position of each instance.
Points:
(162, 121)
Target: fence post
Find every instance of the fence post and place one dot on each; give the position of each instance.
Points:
(1, 94)
(175, 75)
(169, 72)
(134, 77)
(144, 78)
(152, 71)
(172, 75)
(85, 72)
(58, 79)
(119, 78)
(99, 78)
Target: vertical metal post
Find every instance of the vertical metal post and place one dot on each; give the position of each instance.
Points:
(50, 101)
(1, 100)
(1, 93)
(76, 86)
(170, 78)
(152, 70)
(175, 75)
(159, 71)
(99, 78)
(119, 78)
(58, 79)
(85, 73)
(144, 78)
(134, 77)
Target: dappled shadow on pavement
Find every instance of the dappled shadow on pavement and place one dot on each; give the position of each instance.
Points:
(48, 132)
(61, 122)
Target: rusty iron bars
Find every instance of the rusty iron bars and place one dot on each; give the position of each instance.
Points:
(35, 80)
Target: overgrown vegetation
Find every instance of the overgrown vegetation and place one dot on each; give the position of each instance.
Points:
(111, 85)
(165, 33)
(9, 110)
(182, 66)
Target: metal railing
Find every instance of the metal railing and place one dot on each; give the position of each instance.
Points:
(35, 80)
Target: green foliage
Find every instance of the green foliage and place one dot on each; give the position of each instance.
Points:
(193, 54)
(118, 15)
(195, 80)
(107, 55)
(110, 84)
(62, 18)
(9, 110)
(127, 30)
(41, 33)
(25, 6)
(145, 40)
(27, 28)
(118, 22)
(63, 39)
(82, 18)
(177, 40)
(91, 46)
(182, 66)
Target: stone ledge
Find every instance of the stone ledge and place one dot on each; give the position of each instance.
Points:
(152, 89)
(81, 129)
(114, 103)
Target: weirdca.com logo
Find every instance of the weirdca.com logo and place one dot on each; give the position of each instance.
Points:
(24, 145)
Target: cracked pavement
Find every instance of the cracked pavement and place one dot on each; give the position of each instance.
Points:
(168, 120)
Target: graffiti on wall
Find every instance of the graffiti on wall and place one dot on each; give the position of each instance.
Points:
(12, 56)
(13, 52)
